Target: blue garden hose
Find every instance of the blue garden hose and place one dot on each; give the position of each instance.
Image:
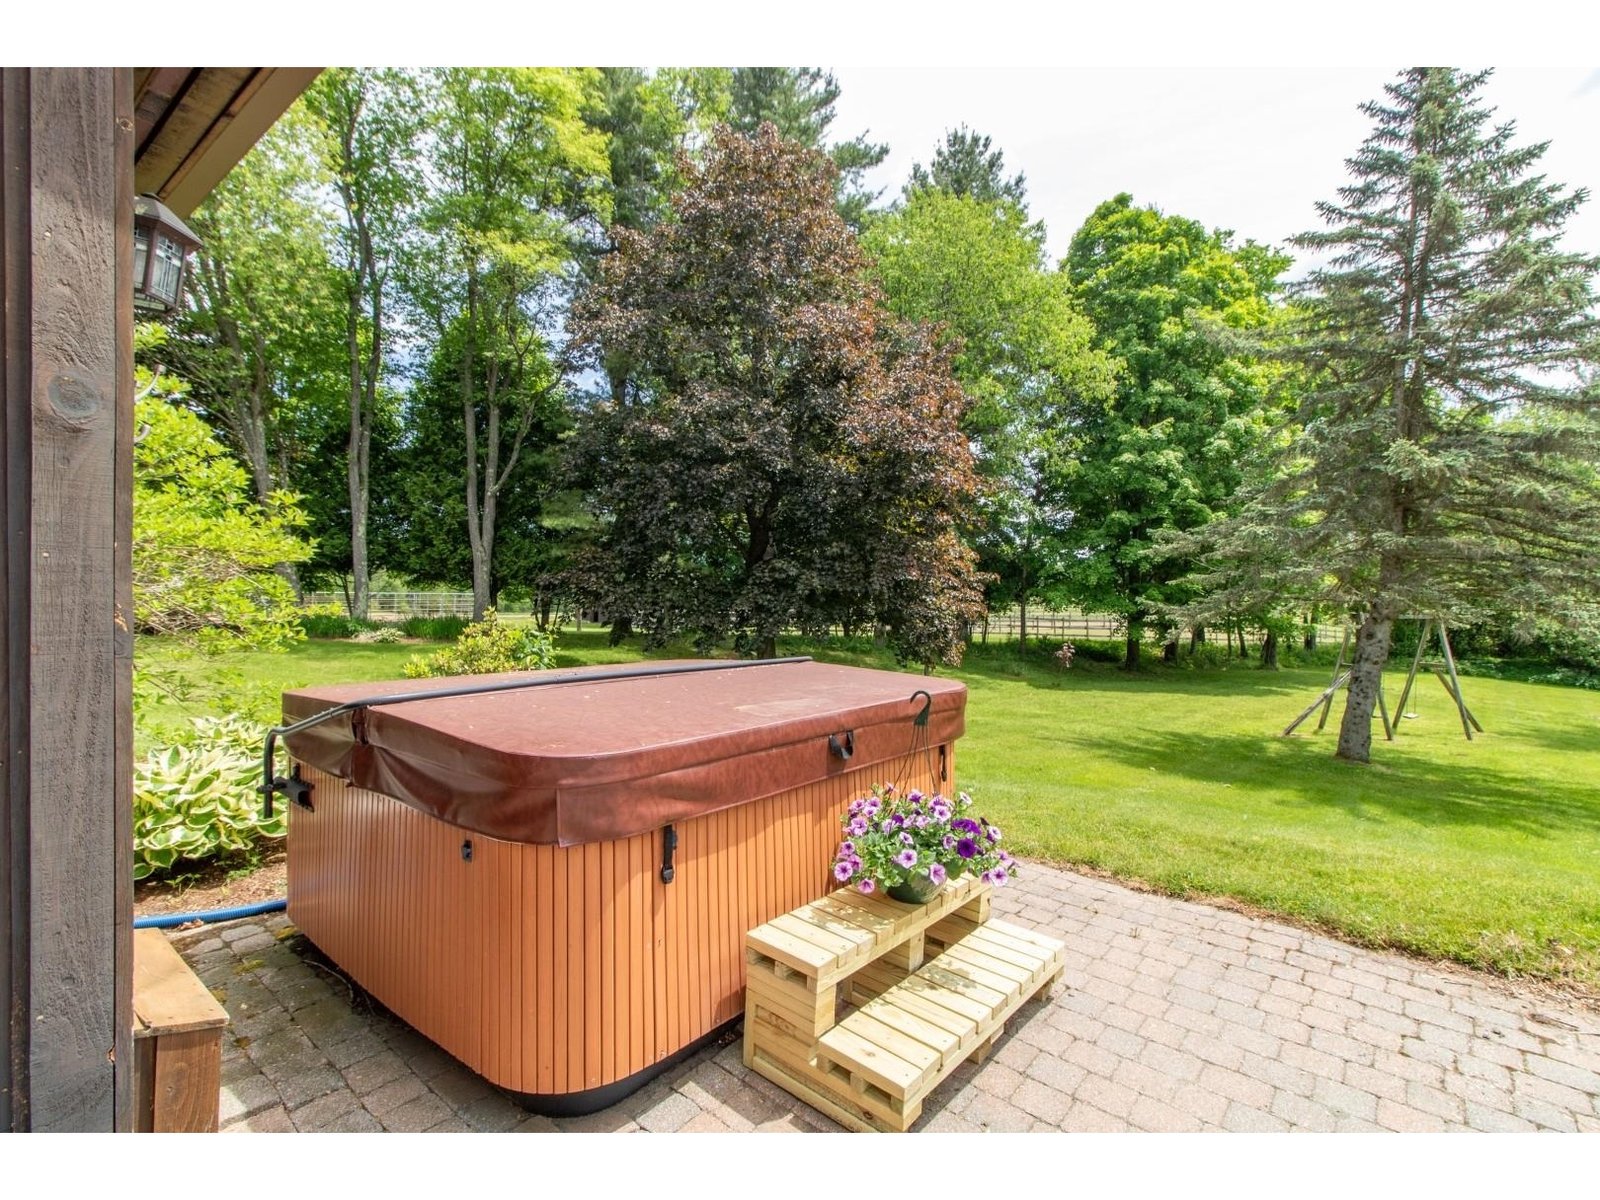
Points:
(169, 920)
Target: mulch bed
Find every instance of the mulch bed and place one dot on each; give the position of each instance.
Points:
(215, 885)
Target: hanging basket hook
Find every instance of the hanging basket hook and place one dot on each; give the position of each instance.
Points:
(921, 719)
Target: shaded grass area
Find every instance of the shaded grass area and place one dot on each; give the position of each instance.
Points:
(1486, 853)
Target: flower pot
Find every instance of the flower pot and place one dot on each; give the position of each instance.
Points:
(917, 889)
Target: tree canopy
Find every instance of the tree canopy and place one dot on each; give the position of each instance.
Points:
(204, 547)
(1164, 294)
(966, 166)
(787, 454)
(1444, 460)
(1023, 352)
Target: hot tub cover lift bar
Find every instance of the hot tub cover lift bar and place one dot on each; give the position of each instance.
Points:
(298, 791)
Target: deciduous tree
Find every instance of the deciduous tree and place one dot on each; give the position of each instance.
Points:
(517, 175)
(261, 346)
(204, 547)
(373, 126)
(1022, 351)
(1164, 295)
(787, 453)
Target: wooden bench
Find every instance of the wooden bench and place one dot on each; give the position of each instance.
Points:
(177, 1041)
(914, 1018)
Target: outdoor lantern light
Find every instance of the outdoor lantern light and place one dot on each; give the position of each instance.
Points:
(161, 242)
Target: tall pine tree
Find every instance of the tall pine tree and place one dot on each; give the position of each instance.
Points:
(1447, 459)
(966, 166)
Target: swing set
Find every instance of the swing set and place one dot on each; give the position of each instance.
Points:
(1443, 669)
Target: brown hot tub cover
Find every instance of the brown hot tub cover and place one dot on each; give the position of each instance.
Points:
(600, 760)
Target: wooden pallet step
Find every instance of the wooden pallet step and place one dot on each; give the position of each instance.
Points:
(873, 980)
(908, 1039)
(813, 1011)
(830, 938)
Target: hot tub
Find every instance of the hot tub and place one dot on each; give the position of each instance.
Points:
(554, 884)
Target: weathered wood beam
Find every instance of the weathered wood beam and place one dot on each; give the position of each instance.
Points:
(221, 113)
(66, 190)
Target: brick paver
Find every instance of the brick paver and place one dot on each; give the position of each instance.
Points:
(1172, 1016)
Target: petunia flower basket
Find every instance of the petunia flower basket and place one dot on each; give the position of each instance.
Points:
(908, 845)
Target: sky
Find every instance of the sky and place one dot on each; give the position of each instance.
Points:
(1250, 150)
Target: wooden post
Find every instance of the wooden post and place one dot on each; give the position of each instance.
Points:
(66, 390)
(1416, 661)
(1339, 681)
(1468, 721)
(1327, 702)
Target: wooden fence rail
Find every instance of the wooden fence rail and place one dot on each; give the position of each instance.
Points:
(1050, 626)
(1064, 626)
(408, 604)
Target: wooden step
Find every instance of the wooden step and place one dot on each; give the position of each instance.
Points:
(895, 1049)
(828, 939)
(177, 1031)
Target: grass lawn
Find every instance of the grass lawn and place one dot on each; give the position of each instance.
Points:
(1486, 853)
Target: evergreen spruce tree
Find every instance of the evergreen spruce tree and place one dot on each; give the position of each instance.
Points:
(1446, 459)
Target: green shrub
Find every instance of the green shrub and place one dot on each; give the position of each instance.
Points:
(486, 648)
(196, 799)
(330, 621)
(434, 629)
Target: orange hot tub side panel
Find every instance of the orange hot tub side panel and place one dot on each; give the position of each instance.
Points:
(553, 970)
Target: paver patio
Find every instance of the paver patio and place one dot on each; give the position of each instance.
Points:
(1171, 1016)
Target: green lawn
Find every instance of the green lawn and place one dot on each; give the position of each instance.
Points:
(1487, 853)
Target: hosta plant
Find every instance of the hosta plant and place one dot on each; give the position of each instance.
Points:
(891, 838)
(196, 799)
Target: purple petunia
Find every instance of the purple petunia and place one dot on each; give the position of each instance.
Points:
(998, 877)
(967, 848)
(866, 887)
(965, 825)
(949, 841)
(936, 873)
(842, 871)
(906, 839)
(858, 825)
(993, 831)
(940, 810)
(846, 849)
(914, 796)
(906, 857)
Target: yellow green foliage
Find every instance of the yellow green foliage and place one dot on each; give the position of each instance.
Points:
(485, 648)
(203, 550)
